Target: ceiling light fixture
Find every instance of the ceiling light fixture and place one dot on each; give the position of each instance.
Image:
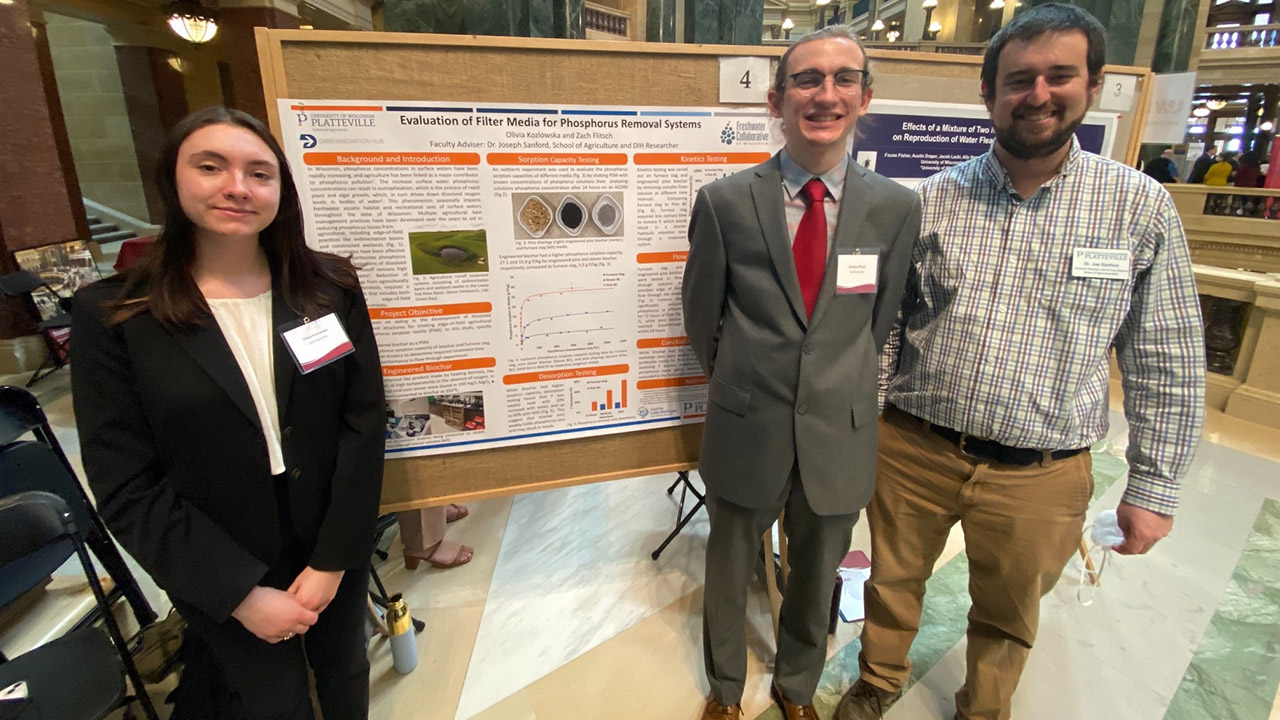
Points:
(191, 21)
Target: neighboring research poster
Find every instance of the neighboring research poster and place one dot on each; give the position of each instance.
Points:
(908, 141)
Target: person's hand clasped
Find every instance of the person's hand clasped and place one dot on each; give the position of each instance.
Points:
(274, 615)
(1142, 529)
(314, 589)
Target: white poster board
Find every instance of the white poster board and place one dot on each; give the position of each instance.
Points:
(1170, 107)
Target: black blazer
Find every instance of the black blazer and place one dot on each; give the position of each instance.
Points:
(175, 455)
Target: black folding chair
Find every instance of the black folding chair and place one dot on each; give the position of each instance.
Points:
(55, 329)
(81, 675)
(43, 465)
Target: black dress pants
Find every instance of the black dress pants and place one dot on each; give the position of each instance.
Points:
(232, 675)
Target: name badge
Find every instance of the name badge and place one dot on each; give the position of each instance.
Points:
(316, 343)
(857, 271)
(1100, 263)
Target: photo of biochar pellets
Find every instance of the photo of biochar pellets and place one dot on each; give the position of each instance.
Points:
(562, 216)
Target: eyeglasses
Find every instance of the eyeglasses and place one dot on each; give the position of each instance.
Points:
(847, 81)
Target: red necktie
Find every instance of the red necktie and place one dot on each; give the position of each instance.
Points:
(810, 247)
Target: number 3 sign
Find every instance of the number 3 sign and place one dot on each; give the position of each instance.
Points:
(1117, 92)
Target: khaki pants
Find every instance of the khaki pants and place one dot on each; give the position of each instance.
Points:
(1021, 526)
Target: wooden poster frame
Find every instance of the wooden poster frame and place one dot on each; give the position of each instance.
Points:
(339, 65)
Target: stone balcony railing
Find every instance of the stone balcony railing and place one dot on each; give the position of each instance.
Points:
(606, 23)
(946, 48)
(1231, 227)
(1234, 236)
(1239, 54)
(1242, 342)
(1242, 36)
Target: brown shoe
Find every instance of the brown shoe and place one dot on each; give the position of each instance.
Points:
(792, 711)
(716, 711)
(865, 701)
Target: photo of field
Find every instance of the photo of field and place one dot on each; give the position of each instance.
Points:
(449, 251)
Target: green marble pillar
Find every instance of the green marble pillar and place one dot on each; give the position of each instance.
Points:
(660, 19)
(521, 18)
(432, 16)
(1123, 26)
(1122, 20)
(724, 22)
(569, 18)
(1177, 36)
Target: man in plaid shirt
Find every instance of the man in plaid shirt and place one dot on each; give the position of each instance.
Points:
(1034, 262)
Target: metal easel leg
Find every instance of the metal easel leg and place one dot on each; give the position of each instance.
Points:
(682, 518)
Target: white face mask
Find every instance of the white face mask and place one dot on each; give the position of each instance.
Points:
(1103, 535)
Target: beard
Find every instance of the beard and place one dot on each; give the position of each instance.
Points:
(1024, 148)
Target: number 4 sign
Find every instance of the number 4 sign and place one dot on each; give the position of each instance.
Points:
(744, 79)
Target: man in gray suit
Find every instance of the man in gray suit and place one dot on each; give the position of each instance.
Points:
(795, 272)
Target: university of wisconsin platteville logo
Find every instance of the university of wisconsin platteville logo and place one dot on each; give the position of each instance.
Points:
(727, 134)
(308, 140)
(302, 115)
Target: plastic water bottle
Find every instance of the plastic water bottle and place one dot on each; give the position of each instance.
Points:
(404, 648)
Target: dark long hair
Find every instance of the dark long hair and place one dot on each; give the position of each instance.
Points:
(162, 283)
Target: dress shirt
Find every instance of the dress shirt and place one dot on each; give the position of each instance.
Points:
(794, 177)
(998, 339)
(246, 325)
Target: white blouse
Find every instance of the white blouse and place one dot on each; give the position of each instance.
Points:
(246, 324)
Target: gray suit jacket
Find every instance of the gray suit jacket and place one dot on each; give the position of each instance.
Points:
(784, 389)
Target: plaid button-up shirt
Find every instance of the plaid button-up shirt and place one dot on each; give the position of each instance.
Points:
(999, 339)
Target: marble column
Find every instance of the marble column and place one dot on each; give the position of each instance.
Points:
(1177, 36)
(724, 22)
(1122, 20)
(521, 18)
(1124, 23)
(569, 18)
(434, 16)
(661, 21)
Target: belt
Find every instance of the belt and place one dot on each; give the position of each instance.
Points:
(985, 449)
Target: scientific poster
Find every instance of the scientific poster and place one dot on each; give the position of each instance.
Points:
(522, 263)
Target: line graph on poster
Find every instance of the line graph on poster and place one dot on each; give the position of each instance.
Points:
(551, 314)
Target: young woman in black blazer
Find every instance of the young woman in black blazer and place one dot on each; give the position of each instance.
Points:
(245, 487)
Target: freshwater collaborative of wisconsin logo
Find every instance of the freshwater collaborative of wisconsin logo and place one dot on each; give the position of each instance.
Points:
(745, 132)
